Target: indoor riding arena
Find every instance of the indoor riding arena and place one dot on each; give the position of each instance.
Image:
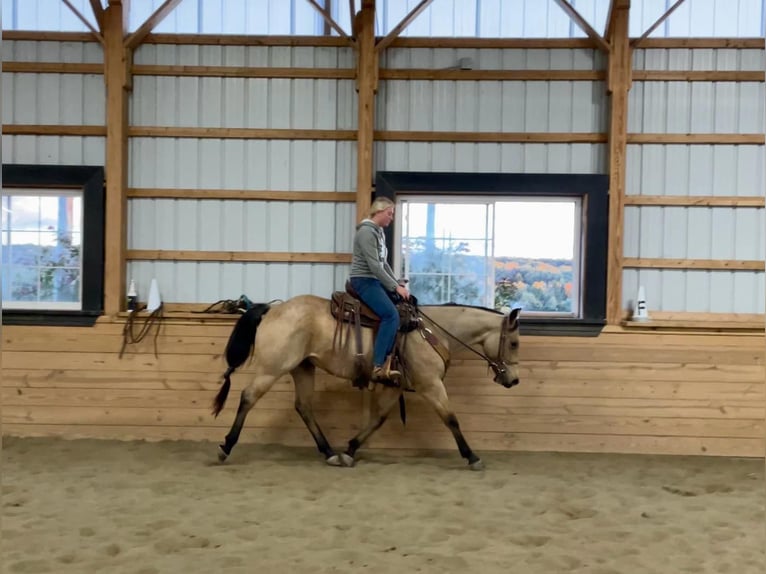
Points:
(576, 205)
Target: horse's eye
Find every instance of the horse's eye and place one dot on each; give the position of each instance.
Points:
(514, 345)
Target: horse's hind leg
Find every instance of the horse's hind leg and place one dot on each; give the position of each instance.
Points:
(250, 395)
(303, 375)
(436, 395)
(383, 400)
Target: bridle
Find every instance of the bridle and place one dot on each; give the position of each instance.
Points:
(500, 366)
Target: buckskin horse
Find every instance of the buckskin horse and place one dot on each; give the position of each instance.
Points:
(300, 334)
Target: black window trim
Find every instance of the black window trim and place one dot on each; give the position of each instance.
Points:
(592, 188)
(89, 179)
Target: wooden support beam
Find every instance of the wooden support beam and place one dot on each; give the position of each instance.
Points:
(328, 18)
(366, 75)
(406, 21)
(98, 13)
(134, 40)
(84, 20)
(582, 23)
(637, 41)
(116, 75)
(618, 85)
(352, 11)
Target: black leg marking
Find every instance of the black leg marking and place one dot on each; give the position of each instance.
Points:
(462, 445)
(307, 415)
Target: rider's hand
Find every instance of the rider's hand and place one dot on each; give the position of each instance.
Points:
(403, 292)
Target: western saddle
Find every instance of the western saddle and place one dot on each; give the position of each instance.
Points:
(352, 313)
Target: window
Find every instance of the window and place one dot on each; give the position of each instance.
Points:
(52, 244)
(504, 240)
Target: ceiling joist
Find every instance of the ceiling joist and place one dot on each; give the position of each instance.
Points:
(406, 21)
(637, 41)
(328, 18)
(84, 20)
(134, 40)
(582, 23)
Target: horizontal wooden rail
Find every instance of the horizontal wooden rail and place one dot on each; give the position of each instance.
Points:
(705, 43)
(698, 75)
(386, 73)
(693, 201)
(490, 137)
(401, 42)
(245, 72)
(380, 135)
(704, 264)
(248, 40)
(52, 130)
(241, 133)
(686, 320)
(238, 256)
(664, 138)
(241, 194)
(491, 75)
(52, 68)
(48, 36)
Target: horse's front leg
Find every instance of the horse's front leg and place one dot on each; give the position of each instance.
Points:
(436, 395)
(303, 376)
(383, 400)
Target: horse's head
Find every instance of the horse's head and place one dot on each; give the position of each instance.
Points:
(503, 347)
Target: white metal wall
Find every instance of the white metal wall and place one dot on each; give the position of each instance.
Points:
(492, 106)
(672, 107)
(56, 99)
(698, 169)
(270, 165)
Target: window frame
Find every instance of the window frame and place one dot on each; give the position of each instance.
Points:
(89, 180)
(592, 189)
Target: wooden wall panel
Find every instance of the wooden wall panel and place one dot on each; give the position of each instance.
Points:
(624, 391)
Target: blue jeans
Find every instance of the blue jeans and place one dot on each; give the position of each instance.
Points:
(373, 294)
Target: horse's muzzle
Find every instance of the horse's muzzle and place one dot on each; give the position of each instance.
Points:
(508, 384)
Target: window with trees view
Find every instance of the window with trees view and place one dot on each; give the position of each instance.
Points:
(503, 240)
(52, 243)
(498, 253)
(42, 249)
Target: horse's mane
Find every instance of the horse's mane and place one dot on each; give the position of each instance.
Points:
(479, 307)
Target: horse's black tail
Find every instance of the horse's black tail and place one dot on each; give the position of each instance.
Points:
(239, 348)
(402, 410)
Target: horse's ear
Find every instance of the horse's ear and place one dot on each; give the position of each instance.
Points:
(514, 314)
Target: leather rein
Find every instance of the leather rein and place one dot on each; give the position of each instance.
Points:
(499, 367)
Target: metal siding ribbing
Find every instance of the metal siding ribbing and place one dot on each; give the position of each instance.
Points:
(54, 99)
(279, 165)
(701, 169)
(492, 106)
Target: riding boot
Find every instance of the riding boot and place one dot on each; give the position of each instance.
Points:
(385, 373)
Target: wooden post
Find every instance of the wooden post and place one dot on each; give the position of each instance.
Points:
(366, 86)
(115, 232)
(618, 85)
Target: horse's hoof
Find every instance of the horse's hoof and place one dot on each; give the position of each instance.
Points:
(347, 460)
(476, 465)
(222, 456)
(334, 460)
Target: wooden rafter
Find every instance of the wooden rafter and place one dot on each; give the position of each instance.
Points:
(582, 23)
(637, 41)
(84, 20)
(352, 10)
(406, 21)
(98, 13)
(135, 39)
(328, 18)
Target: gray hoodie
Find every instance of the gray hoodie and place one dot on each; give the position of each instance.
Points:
(370, 254)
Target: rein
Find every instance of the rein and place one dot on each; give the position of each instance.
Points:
(497, 367)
